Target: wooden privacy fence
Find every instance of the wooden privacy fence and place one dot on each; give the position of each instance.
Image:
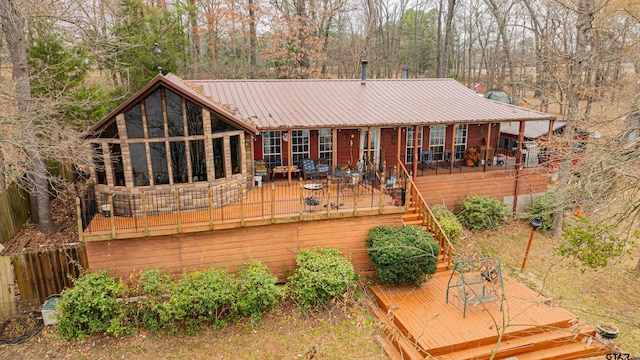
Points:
(40, 274)
(14, 211)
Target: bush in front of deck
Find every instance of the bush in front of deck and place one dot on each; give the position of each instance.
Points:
(403, 254)
(482, 212)
(91, 307)
(257, 290)
(450, 224)
(98, 303)
(322, 274)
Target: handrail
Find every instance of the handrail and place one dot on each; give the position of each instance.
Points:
(428, 219)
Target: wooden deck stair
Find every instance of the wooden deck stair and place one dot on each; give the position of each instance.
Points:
(412, 217)
(430, 328)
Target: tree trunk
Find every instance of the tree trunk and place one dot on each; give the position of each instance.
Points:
(13, 26)
(252, 39)
(638, 266)
(3, 182)
(578, 63)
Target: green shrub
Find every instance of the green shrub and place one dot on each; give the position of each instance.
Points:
(591, 244)
(154, 285)
(482, 212)
(322, 274)
(91, 306)
(201, 296)
(449, 222)
(402, 254)
(544, 206)
(257, 290)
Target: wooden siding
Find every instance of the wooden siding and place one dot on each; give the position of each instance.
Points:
(448, 189)
(276, 245)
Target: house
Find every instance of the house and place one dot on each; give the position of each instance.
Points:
(174, 181)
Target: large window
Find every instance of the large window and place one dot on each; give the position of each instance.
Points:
(460, 141)
(218, 125)
(198, 160)
(272, 148)
(179, 162)
(236, 154)
(299, 146)
(175, 121)
(158, 152)
(139, 164)
(98, 161)
(194, 119)
(133, 120)
(410, 142)
(117, 169)
(167, 144)
(153, 110)
(325, 151)
(218, 157)
(436, 141)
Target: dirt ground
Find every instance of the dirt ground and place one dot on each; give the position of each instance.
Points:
(284, 333)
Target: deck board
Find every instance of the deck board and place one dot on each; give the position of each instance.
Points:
(440, 328)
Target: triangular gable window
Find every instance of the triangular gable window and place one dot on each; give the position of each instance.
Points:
(133, 121)
(219, 126)
(110, 132)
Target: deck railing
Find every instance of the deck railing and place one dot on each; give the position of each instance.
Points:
(158, 212)
(416, 201)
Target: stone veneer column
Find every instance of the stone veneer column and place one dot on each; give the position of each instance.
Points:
(124, 148)
(208, 145)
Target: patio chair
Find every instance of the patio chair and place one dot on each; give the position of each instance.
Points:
(475, 285)
(426, 159)
(261, 169)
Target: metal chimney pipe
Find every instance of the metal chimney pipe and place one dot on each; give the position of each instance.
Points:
(364, 72)
(405, 73)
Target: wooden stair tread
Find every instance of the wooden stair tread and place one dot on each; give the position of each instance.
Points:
(413, 222)
(530, 331)
(519, 345)
(388, 347)
(568, 352)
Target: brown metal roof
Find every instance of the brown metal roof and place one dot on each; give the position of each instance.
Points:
(280, 104)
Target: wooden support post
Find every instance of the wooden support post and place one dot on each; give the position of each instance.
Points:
(551, 123)
(518, 167)
(415, 153)
(407, 196)
(486, 147)
(289, 154)
(79, 220)
(453, 147)
(145, 220)
(241, 195)
(210, 200)
(112, 219)
(399, 147)
(366, 165)
(178, 214)
(334, 147)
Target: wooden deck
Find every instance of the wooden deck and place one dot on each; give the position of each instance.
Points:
(273, 203)
(421, 324)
